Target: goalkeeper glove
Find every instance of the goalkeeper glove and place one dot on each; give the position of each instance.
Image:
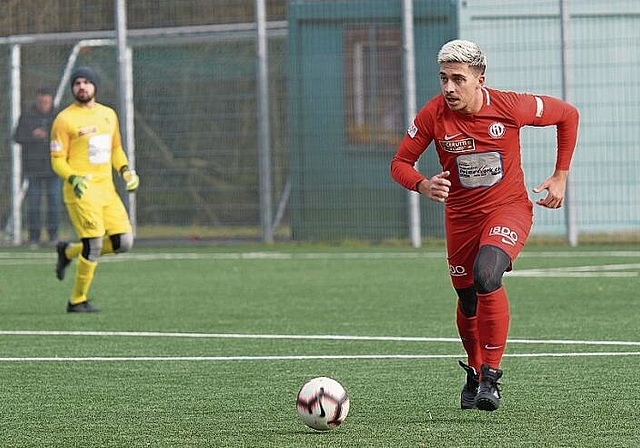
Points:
(79, 184)
(131, 178)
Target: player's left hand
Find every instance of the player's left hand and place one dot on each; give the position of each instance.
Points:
(79, 184)
(555, 186)
(132, 180)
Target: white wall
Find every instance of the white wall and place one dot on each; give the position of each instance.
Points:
(522, 41)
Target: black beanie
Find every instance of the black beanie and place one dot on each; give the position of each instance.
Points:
(85, 72)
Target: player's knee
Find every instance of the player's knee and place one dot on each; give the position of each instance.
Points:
(486, 281)
(91, 248)
(122, 242)
(468, 301)
(488, 269)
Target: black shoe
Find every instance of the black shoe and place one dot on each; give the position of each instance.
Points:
(488, 397)
(82, 307)
(63, 261)
(470, 388)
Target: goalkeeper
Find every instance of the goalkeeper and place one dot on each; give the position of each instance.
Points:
(85, 148)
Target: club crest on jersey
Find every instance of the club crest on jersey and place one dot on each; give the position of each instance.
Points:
(496, 130)
(412, 130)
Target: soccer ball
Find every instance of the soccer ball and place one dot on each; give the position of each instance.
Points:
(322, 403)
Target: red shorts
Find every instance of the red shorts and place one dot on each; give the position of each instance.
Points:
(507, 228)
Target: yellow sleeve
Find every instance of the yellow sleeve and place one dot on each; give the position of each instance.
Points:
(119, 159)
(61, 167)
(59, 148)
(118, 156)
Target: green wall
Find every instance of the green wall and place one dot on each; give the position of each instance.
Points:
(339, 190)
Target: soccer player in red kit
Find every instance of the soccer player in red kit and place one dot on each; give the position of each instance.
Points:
(488, 214)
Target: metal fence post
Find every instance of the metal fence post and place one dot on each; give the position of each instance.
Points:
(125, 96)
(264, 135)
(569, 204)
(17, 192)
(409, 56)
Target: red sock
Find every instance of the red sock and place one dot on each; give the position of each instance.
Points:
(493, 325)
(468, 331)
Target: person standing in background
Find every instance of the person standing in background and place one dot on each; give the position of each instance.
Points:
(33, 134)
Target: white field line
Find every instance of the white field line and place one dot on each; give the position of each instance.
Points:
(295, 357)
(605, 270)
(297, 337)
(39, 256)
(323, 337)
(14, 257)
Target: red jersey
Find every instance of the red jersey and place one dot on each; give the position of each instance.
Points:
(482, 150)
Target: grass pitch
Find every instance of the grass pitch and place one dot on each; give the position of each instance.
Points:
(207, 347)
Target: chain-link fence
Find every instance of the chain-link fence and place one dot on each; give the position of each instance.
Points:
(335, 106)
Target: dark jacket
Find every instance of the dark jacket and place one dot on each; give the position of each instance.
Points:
(35, 151)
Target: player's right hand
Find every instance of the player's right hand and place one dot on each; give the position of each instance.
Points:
(79, 184)
(436, 188)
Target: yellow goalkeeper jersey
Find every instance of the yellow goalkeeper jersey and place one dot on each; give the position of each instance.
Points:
(88, 139)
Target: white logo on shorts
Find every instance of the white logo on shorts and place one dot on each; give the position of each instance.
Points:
(509, 236)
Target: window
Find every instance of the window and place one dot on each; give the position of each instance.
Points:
(374, 87)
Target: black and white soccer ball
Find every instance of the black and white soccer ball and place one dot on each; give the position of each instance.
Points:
(322, 403)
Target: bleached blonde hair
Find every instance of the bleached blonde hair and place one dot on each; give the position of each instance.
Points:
(465, 52)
